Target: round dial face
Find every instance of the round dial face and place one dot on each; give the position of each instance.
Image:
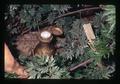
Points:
(45, 34)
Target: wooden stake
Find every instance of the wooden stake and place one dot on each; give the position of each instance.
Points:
(89, 34)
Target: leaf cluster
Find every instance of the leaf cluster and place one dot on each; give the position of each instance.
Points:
(75, 48)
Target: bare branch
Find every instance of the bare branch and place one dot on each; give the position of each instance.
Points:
(81, 64)
(78, 11)
(70, 13)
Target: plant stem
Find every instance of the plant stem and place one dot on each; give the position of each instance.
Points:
(78, 11)
(81, 64)
(70, 13)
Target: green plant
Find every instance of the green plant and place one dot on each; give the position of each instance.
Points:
(21, 19)
(109, 13)
(44, 67)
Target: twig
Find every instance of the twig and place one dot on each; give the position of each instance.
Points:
(44, 21)
(70, 13)
(78, 11)
(81, 64)
(25, 31)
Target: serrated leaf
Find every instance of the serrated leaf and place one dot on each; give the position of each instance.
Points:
(111, 28)
(109, 13)
(32, 12)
